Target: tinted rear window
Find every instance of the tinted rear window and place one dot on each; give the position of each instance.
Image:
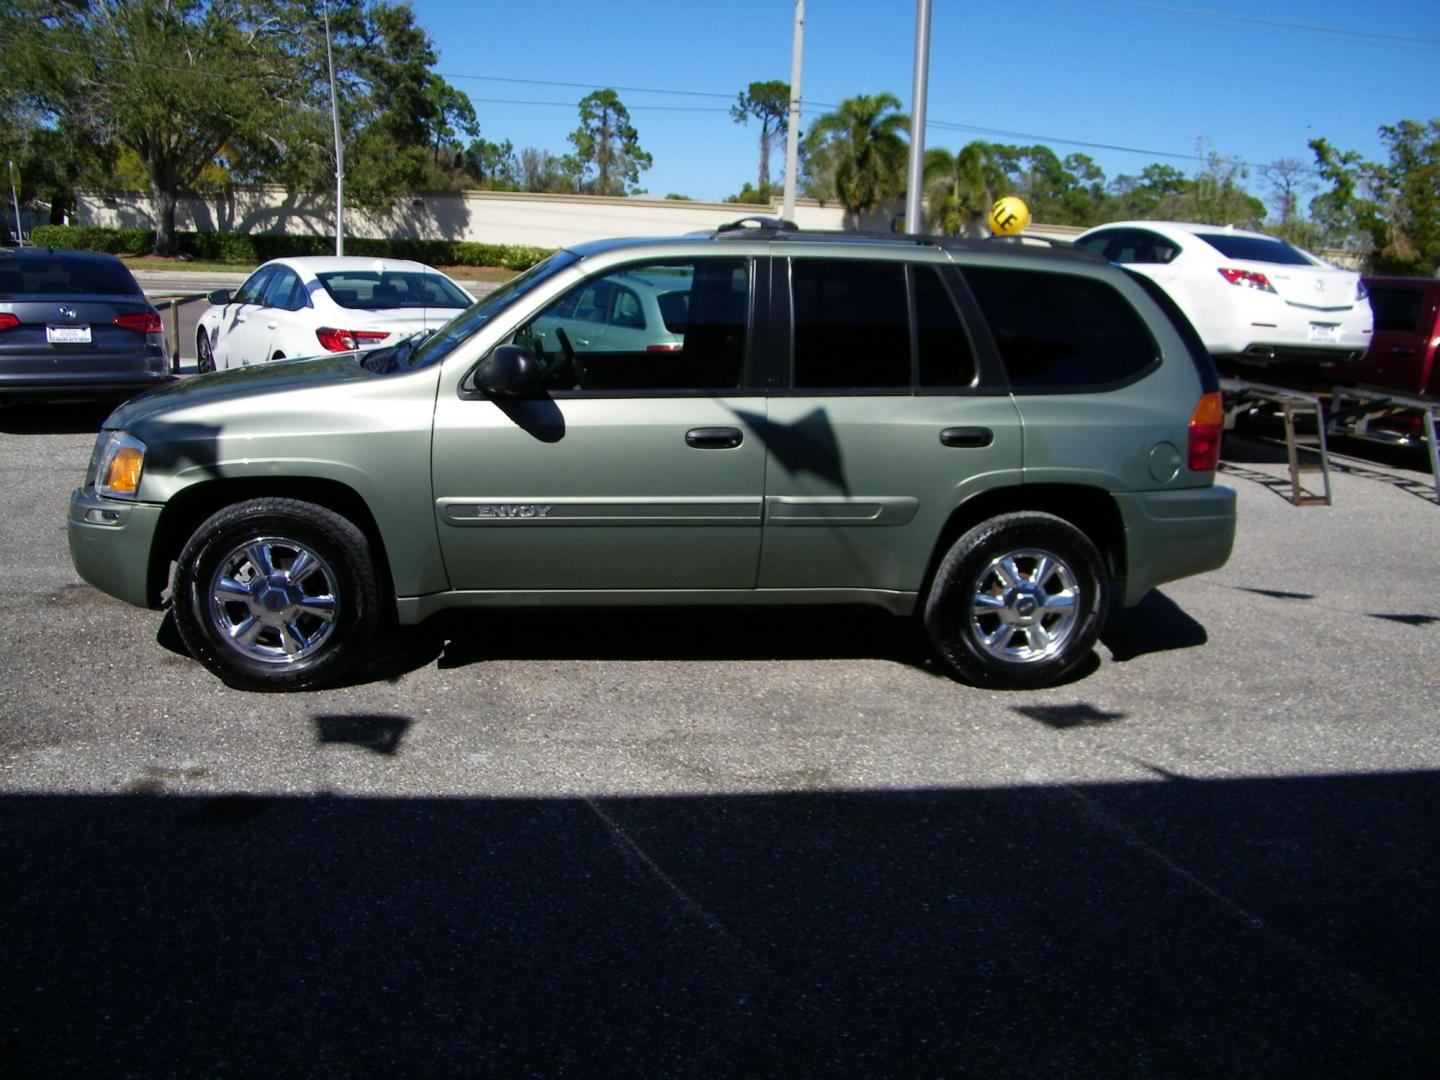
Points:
(1255, 249)
(1061, 332)
(1395, 309)
(373, 290)
(57, 275)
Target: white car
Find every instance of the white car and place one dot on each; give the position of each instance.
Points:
(315, 304)
(1251, 297)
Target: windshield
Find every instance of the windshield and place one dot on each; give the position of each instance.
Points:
(432, 348)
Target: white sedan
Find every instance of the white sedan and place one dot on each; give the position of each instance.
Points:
(315, 304)
(1251, 297)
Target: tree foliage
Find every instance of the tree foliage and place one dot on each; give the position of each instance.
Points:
(961, 187)
(203, 92)
(769, 103)
(857, 154)
(607, 146)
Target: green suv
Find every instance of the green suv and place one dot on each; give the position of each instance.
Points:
(1001, 438)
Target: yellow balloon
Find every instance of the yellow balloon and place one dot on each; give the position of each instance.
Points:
(1009, 216)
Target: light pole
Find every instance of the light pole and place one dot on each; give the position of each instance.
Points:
(339, 146)
(792, 132)
(915, 178)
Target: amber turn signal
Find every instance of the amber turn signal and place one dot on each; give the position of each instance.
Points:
(123, 475)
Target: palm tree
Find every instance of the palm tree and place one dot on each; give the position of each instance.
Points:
(961, 187)
(858, 152)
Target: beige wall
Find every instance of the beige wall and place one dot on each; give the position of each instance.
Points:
(491, 217)
(481, 216)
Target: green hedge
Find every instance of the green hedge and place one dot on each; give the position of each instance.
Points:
(253, 248)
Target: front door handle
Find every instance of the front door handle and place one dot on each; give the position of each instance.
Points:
(971, 437)
(714, 438)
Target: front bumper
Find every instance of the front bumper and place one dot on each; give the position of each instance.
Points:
(1173, 534)
(110, 545)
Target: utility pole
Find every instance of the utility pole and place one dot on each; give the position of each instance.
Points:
(339, 147)
(915, 178)
(15, 201)
(792, 132)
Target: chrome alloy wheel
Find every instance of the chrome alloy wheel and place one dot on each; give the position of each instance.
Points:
(273, 600)
(1025, 606)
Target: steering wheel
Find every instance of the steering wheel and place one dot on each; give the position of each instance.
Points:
(582, 377)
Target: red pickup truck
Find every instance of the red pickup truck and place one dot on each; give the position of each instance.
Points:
(1402, 352)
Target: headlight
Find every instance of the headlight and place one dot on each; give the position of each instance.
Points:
(1361, 292)
(117, 465)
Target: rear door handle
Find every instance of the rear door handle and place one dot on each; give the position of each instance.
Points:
(967, 436)
(1401, 350)
(714, 438)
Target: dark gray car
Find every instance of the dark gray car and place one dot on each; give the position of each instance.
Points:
(75, 326)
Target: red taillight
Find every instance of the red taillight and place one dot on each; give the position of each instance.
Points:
(1206, 425)
(673, 346)
(142, 322)
(8, 321)
(348, 340)
(1247, 277)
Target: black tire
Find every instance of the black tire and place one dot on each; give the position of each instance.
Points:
(1023, 632)
(204, 356)
(284, 632)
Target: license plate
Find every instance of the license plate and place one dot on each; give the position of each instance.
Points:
(67, 335)
(1324, 332)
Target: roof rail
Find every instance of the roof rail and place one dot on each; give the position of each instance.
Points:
(756, 225)
(769, 228)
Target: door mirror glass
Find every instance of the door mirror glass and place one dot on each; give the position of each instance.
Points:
(510, 371)
(218, 297)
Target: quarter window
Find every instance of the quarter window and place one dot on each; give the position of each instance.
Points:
(1061, 331)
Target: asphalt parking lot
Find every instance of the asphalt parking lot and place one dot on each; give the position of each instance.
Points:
(743, 844)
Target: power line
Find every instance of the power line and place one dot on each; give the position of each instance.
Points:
(1269, 24)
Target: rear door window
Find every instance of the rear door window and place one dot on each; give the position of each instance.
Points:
(852, 324)
(1061, 331)
(860, 325)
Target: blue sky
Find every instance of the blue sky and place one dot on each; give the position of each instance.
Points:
(1257, 79)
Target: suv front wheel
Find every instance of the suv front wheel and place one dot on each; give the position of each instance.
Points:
(1018, 601)
(276, 594)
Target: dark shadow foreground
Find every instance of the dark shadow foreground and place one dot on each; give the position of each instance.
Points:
(1174, 928)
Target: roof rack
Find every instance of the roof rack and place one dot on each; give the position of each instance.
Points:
(769, 228)
(755, 225)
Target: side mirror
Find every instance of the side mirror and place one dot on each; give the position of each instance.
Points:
(510, 371)
(218, 297)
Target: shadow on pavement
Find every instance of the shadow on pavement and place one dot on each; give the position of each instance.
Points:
(1262, 927)
(1156, 624)
(22, 418)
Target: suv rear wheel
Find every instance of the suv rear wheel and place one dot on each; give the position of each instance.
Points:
(1018, 601)
(276, 594)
